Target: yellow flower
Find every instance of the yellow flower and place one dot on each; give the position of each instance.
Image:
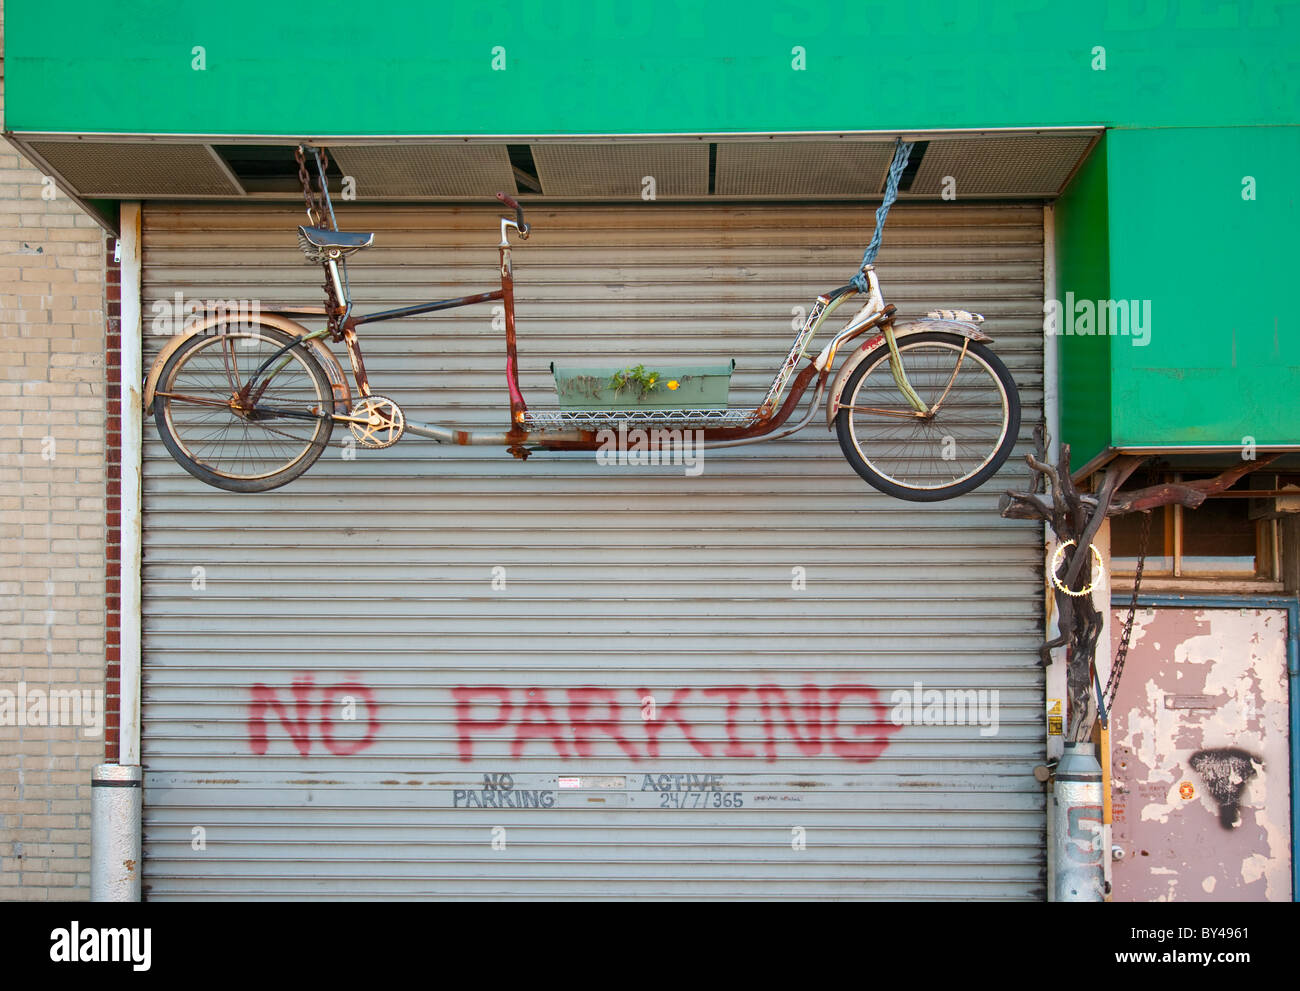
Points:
(673, 384)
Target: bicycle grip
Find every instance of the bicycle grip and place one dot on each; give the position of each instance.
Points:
(511, 202)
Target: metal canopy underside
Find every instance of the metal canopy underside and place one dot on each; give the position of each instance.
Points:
(948, 165)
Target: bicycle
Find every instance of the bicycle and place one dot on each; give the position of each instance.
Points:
(922, 410)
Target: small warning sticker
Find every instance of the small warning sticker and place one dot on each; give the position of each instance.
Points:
(1186, 790)
(569, 783)
(1055, 717)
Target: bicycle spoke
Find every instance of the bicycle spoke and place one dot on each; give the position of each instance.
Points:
(247, 443)
(909, 414)
(227, 353)
(960, 436)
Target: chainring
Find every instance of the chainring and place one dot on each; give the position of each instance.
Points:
(385, 422)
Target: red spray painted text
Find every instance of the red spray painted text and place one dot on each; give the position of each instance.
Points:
(764, 721)
(330, 713)
(815, 721)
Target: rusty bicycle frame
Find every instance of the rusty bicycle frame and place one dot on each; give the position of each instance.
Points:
(563, 431)
(761, 424)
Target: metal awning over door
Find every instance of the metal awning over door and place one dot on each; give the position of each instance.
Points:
(1003, 163)
(431, 672)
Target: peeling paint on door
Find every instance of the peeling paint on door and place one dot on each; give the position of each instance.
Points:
(1200, 762)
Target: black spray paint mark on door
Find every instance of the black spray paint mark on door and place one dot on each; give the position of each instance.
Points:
(1225, 772)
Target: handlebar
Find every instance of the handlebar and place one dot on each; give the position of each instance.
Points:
(513, 204)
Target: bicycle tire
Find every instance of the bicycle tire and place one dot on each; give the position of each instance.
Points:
(973, 432)
(266, 447)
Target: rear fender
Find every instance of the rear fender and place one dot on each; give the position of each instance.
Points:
(966, 328)
(333, 370)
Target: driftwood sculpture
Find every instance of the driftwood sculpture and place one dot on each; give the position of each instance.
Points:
(1077, 516)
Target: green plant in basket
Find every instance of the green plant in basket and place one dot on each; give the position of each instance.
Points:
(636, 376)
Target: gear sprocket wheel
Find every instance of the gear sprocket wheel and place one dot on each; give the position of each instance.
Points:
(385, 422)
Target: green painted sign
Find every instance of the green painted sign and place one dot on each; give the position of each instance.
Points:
(411, 67)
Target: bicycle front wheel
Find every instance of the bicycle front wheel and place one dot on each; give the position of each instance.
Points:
(967, 435)
(246, 410)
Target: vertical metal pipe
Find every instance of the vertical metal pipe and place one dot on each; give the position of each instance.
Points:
(1077, 835)
(1055, 675)
(1055, 679)
(339, 291)
(1103, 752)
(1293, 670)
(115, 806)
(115, 789)
(1103, 658)
(1051, 342)
(131, 380)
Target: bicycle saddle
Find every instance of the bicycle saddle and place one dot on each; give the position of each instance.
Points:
(318, 243)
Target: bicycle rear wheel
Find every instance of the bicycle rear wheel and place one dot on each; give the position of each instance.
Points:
(951, 451)
(260, 442)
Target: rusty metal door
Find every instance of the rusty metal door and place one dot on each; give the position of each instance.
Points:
(1200, 757)
(424, 672)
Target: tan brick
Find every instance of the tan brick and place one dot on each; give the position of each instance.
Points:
(52, 383)
(65, 747)
(23, 344)
(71, 777)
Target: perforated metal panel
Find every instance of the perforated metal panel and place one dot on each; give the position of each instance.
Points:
(1013, 166)
(426, 170)
(803, 168)
(497, 626)
(100, 168)
(620, 170)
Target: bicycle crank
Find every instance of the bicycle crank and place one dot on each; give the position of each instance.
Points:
(377, 421)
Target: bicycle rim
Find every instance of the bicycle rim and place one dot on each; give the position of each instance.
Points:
(963, 438)
(245, 445)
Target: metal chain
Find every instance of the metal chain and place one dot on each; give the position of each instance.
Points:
(313, 213)
(316, 213)
(1116, 669)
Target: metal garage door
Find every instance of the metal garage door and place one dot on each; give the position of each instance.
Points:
(432, 672)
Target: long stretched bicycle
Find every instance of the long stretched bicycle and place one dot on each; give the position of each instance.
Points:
(923, 409)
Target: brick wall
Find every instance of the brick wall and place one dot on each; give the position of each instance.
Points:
(52, 530)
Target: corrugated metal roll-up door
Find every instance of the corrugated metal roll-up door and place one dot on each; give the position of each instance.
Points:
(440, 672)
